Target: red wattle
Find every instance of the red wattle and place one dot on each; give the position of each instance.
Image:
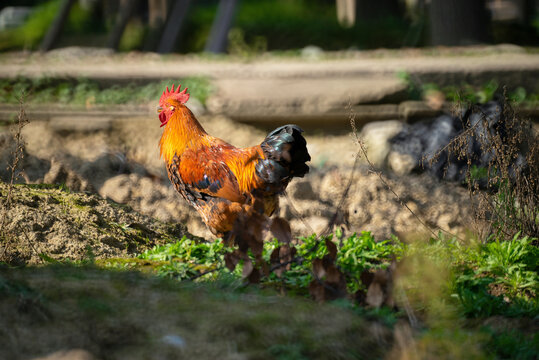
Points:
(163, 118)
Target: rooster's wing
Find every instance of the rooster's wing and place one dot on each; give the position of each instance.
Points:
(202, 171)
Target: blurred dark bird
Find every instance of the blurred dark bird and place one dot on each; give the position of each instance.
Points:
(426, 143)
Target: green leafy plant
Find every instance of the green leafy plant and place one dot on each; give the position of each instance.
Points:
(186, 258)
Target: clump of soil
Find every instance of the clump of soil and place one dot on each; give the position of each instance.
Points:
(51, 220)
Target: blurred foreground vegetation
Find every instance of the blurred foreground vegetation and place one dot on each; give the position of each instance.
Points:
(475, 300)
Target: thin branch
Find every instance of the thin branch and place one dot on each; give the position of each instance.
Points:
(296, 213)
(378, 173)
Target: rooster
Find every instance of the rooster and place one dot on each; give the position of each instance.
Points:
(220, 181)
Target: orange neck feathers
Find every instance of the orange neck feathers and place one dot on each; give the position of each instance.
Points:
(182, 131)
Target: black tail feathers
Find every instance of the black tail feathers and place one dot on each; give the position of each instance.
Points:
(286, 153)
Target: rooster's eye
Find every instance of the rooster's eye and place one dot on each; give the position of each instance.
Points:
(172, 108)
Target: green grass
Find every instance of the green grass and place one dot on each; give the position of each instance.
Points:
(88, 92)
(356, 254)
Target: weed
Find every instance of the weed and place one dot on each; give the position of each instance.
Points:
(6, 237)
(188, 260)
(510, 170)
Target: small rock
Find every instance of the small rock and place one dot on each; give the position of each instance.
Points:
(174, 340)
(118, 188)
(302, 190)
(149, 191)
(311, 224)
(401, 164)
(376, 136)
(73, 354)
(106, 166)
(312, 52)
(60, 174)
(357, 215)
(445, 221)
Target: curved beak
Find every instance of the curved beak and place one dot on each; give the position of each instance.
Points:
(159, 109)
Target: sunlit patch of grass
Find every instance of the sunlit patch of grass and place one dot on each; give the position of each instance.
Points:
(451, 285)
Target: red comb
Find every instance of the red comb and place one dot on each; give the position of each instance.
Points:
(182, 96)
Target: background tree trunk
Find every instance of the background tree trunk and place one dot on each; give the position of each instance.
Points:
(459, 22)
(530, 11)
(221, 26)
(157, 15)
(174, 26)
(368, 10)
(124, 13)
(56, 27)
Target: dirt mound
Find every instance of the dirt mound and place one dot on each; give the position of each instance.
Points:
(63, 225)
(122, 163)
